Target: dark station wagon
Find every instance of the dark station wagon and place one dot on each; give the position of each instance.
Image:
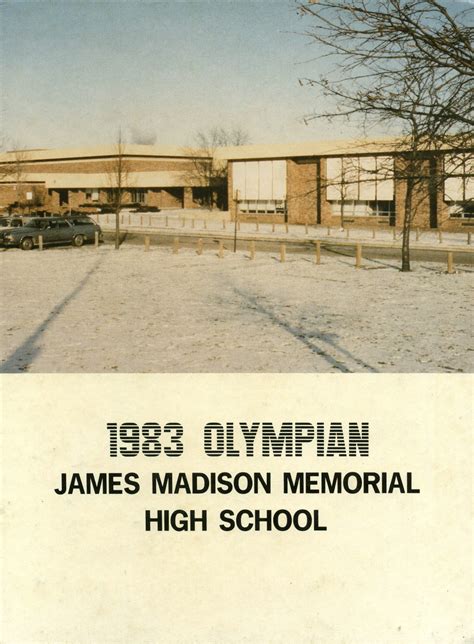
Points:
(53, 230)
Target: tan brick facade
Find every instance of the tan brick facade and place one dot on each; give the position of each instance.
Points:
(162, 180)
(103, 165)
(158, 176)
(307, 201)
(301, 191)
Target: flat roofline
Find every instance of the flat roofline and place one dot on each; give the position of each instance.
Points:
(304, 149)
(311, 149)
(98, 152)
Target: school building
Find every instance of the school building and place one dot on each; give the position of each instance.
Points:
(160, 176)
(357, 183)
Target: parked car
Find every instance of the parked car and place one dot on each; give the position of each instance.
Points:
(54, 230)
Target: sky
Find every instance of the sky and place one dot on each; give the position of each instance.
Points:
(73, 72)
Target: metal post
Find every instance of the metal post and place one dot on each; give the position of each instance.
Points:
(175, 245)
(221, 249)
(282, 252)
(147, 243)
(236, 224)
(199, 246)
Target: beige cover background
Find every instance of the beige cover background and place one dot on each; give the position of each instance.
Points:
(394, 568)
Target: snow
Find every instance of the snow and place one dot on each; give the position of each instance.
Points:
(100, 310)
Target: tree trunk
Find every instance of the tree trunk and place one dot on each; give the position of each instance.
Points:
(407, 225)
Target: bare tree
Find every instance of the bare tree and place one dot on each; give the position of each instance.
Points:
(18, 175)
(403, 63)
(118, 173)
(5, 163)
(205, 170)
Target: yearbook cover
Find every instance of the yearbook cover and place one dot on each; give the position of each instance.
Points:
(236, 322)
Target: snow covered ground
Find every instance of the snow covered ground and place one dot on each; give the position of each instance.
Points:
(88, 310)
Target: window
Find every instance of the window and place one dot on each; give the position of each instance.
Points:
(262, 206)
(138, 195)
(459, 185)
(92, 194)
(84, 221)
(461, 209)
(354, 208)
(259, 181)
(360, 179)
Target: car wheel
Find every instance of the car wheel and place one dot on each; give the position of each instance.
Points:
(78, 240)
(26, 243)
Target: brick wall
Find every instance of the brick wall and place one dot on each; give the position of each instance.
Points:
(188, 201)
(10, 193)
(171, 198)
(103, 165)
(301, 192)
(153, 197)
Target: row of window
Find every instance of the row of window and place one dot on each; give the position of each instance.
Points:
(262, 206)
(457, 210)
(136, 195)
(352, 208)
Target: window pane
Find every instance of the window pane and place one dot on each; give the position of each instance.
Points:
(333, 179)
(238, 178)
(368, 170)
(279, 180)
(251, 179)
(265, 179)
